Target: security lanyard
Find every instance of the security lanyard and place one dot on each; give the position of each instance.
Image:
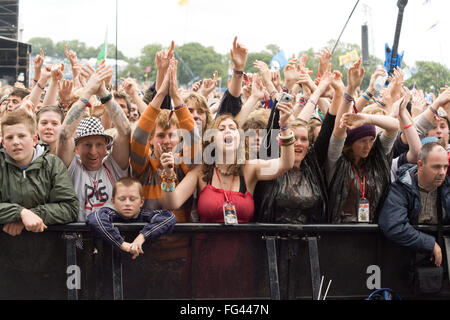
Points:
(363, 186)
(221, 185)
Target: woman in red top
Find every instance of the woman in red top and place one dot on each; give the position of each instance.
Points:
(226, 181)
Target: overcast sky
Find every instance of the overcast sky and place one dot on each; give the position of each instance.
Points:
(292, 25)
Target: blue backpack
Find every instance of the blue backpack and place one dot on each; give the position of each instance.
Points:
(384, 294)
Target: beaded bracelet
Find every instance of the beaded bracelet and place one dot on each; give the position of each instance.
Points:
(170, 179)
(42, 88)
(165, 188)
(312, 101)
(86, 102)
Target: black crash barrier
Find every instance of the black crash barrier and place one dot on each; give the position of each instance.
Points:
(208, 261)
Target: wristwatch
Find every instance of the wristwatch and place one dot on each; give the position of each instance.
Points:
(106, 99)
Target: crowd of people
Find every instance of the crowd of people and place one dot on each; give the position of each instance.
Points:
(310, 149)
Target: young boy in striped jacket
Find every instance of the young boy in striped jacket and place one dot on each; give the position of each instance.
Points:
(128, 198)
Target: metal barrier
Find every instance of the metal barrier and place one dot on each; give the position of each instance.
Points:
(207, 261)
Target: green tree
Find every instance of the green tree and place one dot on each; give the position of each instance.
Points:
(147, 58)
(45, 43)
(430, 77)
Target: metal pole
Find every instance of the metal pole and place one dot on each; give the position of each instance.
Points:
(116, 42)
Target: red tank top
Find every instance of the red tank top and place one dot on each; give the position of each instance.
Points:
(211, 200)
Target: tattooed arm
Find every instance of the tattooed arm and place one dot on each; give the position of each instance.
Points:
(121, 147)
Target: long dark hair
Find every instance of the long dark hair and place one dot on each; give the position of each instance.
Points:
(235, 169)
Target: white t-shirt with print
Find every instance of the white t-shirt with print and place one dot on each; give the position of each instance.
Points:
(94, 188)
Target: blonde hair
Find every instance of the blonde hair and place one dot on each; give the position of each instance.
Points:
(374, 109)
(200, 102)
(162, 121)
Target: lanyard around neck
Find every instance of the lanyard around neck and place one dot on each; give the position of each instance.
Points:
(221, 185)
(363, 185)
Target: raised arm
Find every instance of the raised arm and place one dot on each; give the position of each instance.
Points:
(238, 54)
(51, 96)
(256, 96)
(66, 146)
(38, 62)
(355, 75)
(37, 90)
(365, 98)
(162, 60)
(130, 87)
(271, 169)
(310, 106)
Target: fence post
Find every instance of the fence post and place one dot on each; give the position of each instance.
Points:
(273, 269)
(117, 273)
(71, 260)
(314, 264)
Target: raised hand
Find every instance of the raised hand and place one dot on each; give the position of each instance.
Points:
(209, 85)
(379, 72)
(355, 75)
(65, 90)
(173, 83)
(286, 110)
(292, 71)
(97, 78)
(129, 85)
(238, 55)
(38, 62)
(266, 74)
(57, 72)
(353, 120)
(257, 88)
(71, 55)
(337, 84)
(324, 59)
(163, 57)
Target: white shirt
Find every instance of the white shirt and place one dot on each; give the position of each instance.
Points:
(94, 188)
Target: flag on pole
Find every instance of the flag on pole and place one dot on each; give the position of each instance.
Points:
(349, 57)
(278, 61)
(103, 51)
(183, 2)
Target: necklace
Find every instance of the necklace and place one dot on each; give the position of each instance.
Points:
(223, 173)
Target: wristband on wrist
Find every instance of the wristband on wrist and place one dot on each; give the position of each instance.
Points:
(86, 102)
(106, 99)
(365, 97)
(274, 92)
(436, 114)
(350, 99)
(180, 106)
(312, 101)
(407, 127)
(368, 94)
(42, 88)
(284, 89)
(238, 73)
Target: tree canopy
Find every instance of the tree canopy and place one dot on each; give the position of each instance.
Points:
(198, 62)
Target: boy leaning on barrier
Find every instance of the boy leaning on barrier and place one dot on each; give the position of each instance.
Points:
(128, 198)
(35, 187)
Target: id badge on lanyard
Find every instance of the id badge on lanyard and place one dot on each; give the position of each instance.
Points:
(363, 205)
(363, 211)
(229, 213)
(229, 210)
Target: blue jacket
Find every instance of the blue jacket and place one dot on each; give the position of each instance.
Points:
(401, 211)
(159, 222)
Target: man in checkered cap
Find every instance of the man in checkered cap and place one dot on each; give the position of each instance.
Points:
(93, 168)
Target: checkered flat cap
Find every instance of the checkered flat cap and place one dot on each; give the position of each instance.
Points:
(92, 127)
